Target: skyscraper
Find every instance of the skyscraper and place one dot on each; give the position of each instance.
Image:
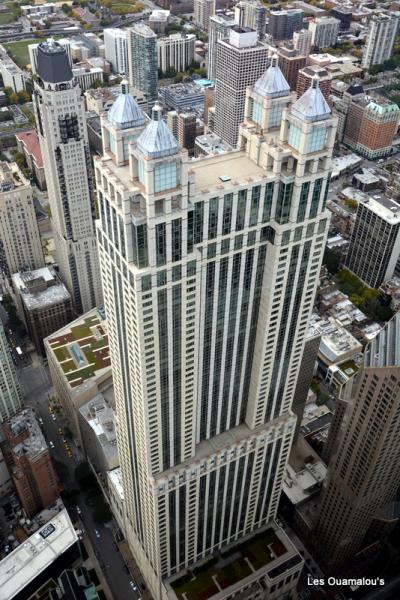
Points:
(251, 13)
(363, 475)
(218, 30)
(380, 40)
(375, 241)
(324, 31)
(20, 245)
(116, 49)
(60, 117)
(290, 62)
(203, 10)
(209, 281)
(302, 41)
(142, 61)
(10, 393)
(306, 77)
(241, 60)
(283, 23)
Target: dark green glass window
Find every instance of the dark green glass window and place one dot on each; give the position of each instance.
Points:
(211, 250)
(251, 238)
(161, 244)
(161, 278)
(213, 218)
(227, 214)
(198, 222)
(139, 243)
(241, 209)
(190, 231)
(146, 283)
(305, 190)
(255, 202)
(284, 201)
(328, 181)
(191, 268)
(238, 242)
(176, 232)
(225, 246)
(176, 273)
(315, 198)
(268, 196)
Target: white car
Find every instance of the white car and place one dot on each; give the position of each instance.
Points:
(97, 534)
(133, 586)
(51, 444)
(78, 510)
(53, 416)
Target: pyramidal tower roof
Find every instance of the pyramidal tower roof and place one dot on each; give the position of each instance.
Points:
(157, 140)
(125, 112)
(311, 106)
(273, 83)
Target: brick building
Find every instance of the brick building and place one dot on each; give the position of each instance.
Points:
(305, 78)
(290, 62)
(29, 462)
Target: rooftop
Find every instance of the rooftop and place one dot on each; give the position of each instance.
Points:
(25, 423)
(81, 348)
(40, 288)
(115, 477)
(230, 168)
(101, 418)
(385, 208)
(236, 562)
(125, 113)
(337, 344)
(272, 84)
(311, 106)
(33, 556)
(11, 177)
(31, 144)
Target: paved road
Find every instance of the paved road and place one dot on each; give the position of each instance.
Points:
(35, 380)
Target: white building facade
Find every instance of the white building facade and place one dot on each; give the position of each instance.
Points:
(10, 393)
(209, 272)
(324, 31)
(203, 10)
(380, 39)
(60, 117)
(219, 28)
(116, 49)
(176, 51)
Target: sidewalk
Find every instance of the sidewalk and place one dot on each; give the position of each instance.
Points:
(134, 569)
(97, 567)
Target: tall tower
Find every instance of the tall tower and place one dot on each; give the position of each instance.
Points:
(203, 10)
(210, 270)
(380, 40)
(364, 474)
(241, 60)
(218, 30)
(116, 49)
(10, 393)
(60, 117)
(142, 61)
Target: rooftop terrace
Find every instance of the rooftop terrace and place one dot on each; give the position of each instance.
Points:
(230, 566)
(81, 348)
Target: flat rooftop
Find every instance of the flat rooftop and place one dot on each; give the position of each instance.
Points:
(235, 167)
(115, 477)
(81, 348)
(34, 555)
(101, 418)
(54, 293)
(31, 144)
(11, 177)
(384, 207)
(34, 444)
(236, 562)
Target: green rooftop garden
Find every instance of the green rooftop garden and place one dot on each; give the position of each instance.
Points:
(81, 332)
(231, 566)
(62, 353)
(349, 367)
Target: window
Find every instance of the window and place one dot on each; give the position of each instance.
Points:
(301, 213)
(257, 112)
(315, 198)
(294, 136)
(213, 218)
(284, 202)
(255, 200)
(241, 210)
(268, 195)
(316, 139)
(165, 177)
(275, 115)
(227, 214)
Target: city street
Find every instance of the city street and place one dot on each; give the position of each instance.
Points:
(35, 383)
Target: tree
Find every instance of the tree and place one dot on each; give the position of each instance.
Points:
(13, 98)
(96, 84)
(332, 261)
(23, 97)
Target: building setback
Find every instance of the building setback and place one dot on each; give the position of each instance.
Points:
(363, 474)
(375, 241)
(241, 60)
(60, 117)
(20, 245)
(203, 403)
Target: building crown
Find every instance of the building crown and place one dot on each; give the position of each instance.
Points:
(273, 83)
(312, 106)
(157, 140)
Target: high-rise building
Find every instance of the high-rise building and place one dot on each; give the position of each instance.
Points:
(363, 474)
(176, 51)
(283, 23)
(307, 75)
(324, 31)
(351, 93)
(209, 284)
(142, 60)
(203, 10)
(344, 14)
(29, 462)
(33, 53)
(10, 393)
(172, 122)
(241, 60)
(251, 13)
(20, 245)
(60, 116)
(371, 126)
(43, 301)
(116, 49)
(375, 241)
(209, 102)
(380, 39)
(187, 131)
(302, 41)
(290, 62)
(219, 28)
